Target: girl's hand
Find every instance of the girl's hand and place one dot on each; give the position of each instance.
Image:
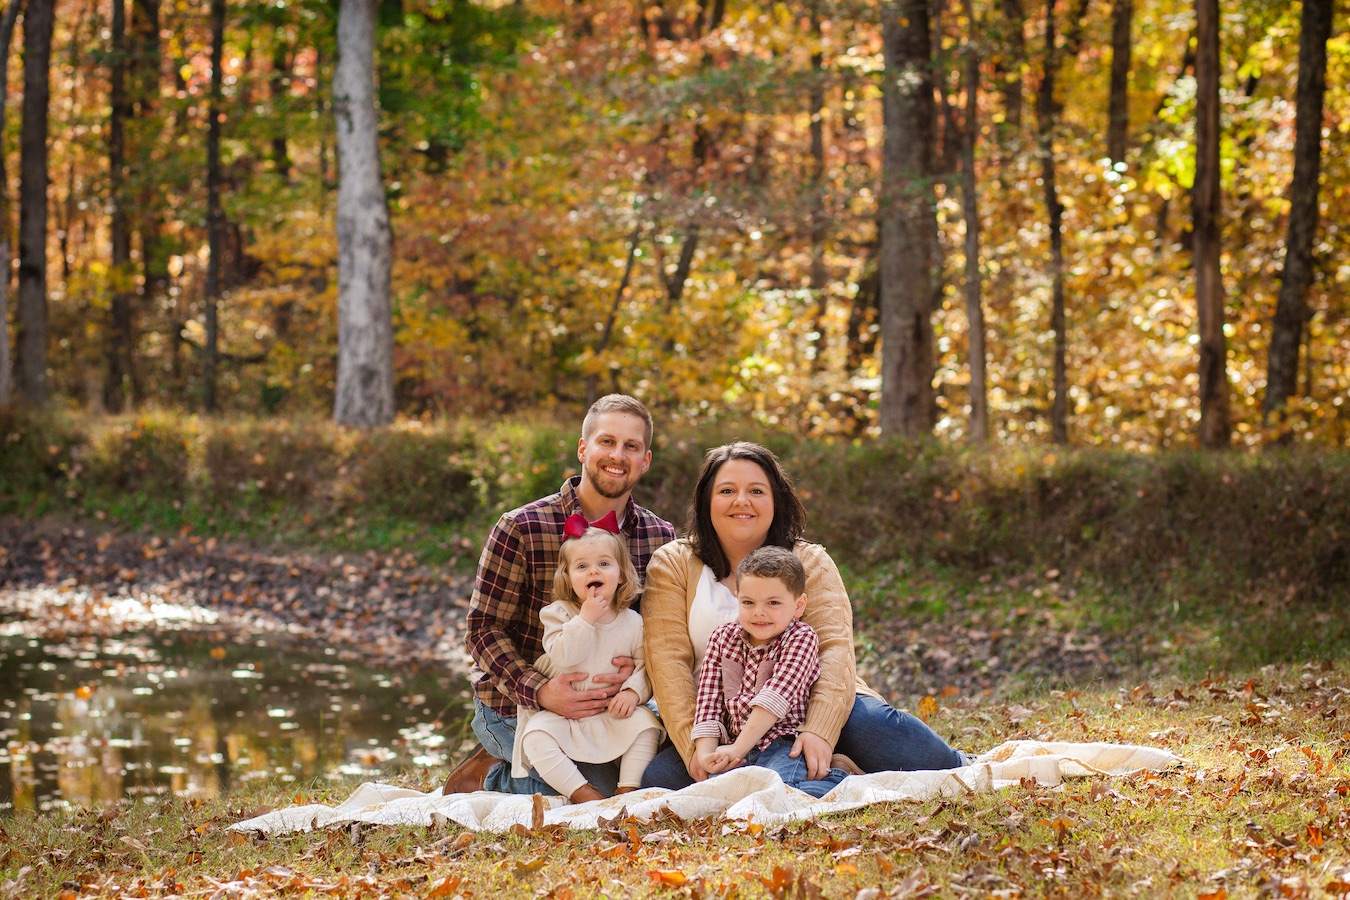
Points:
(623, 704)
(594, 607)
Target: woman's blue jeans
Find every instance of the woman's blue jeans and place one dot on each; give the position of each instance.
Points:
(877, 736)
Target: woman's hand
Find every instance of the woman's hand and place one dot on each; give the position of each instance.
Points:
(817, 752)
(623, 704)
(696, 770)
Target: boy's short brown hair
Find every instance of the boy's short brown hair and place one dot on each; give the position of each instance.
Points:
(774, 562)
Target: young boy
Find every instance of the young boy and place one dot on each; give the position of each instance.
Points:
(756, 676)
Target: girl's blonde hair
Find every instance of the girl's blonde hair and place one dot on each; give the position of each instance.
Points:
(628, 577)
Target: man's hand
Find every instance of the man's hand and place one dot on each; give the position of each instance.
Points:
(560, 697)
(613, 683)
(817, 750)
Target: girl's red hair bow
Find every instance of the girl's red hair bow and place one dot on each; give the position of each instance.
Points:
(576, 524)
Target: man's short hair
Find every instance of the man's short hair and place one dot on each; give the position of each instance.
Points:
(774, 562)
(616, 403)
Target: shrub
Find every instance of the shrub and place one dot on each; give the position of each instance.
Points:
(146, 455)
(415, 471)
(268, 461)
(1178, 524)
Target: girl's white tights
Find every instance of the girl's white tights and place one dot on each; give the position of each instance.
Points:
(563, 775)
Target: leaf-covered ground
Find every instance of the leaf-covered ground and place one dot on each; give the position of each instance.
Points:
(1260, 810)
(381, 607)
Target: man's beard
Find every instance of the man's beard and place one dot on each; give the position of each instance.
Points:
(600, 479)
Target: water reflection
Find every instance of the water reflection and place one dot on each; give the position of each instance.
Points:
(86, 721)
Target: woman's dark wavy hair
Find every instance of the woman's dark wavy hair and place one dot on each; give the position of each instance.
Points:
(789, 515)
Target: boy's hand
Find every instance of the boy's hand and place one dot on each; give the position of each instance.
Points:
(711, 761)
(734, 757)
(623, 704)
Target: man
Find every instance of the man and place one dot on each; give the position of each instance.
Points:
(515, 581)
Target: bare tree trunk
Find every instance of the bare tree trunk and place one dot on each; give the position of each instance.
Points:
(214, 215)
(277, 82)
(907, 222)
(1017, 51)
(149, 204)
(818, 224)
(1291, 310)
(7, 24)
(1046, 108)
(120, 337)
(31, 343)
(365, 377)
(592, 382)
(970, 210)
(1118, 106)
(1215, 427)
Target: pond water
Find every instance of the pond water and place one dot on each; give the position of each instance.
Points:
(88, 720)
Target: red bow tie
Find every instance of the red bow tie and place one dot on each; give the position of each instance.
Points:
(576, 524)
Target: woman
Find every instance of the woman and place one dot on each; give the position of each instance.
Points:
(744, 500)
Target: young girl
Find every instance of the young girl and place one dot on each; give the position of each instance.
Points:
(585, 627)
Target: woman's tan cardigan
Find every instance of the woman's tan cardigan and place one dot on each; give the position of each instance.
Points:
(672, 579)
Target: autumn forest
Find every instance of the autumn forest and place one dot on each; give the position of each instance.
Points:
(1097, 222)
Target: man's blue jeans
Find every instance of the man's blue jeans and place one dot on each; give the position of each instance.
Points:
(877, 736)
(497, 734)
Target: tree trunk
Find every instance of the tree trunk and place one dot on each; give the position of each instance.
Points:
(816, 180)
(1017, 52)
(277, 82)
(365, 372)
(1118, 116)
(592, 380)
(1215, 428)
(214, 215)
(148, 208)
(970, 210)
(119, 340)
(1286, 335)
(1046, 109)
(31, 321)
(6, 363)
(908, 222)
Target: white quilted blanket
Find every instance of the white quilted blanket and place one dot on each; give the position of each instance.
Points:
(749, 792)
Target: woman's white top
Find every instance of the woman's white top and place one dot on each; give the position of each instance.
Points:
(714, 605)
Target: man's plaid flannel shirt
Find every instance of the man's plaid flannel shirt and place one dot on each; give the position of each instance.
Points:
(515, 581)
(736, 677)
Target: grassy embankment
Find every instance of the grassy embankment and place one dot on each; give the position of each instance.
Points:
(1183, 600)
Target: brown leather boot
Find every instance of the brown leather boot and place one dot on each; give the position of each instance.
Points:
(840, 761)
(468, 776)
(585, 794)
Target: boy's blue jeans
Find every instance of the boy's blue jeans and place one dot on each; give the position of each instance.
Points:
(793, 771)
(497, 734)
(877, 736)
